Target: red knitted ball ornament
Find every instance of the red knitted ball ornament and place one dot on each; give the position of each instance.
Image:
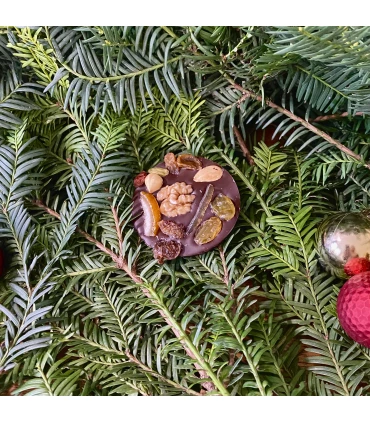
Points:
(353, 308)
(357, 265)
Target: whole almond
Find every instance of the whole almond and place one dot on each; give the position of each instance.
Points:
(153, 182)
(208, 174)
(161, 171)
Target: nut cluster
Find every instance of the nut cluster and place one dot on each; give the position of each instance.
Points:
(176, 199)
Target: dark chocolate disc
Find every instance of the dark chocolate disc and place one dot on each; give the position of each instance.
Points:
(226, 185)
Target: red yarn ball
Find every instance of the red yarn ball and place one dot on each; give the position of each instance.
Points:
(353, 308)
(357, 265)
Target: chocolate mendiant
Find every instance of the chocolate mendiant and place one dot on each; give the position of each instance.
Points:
(226, 185)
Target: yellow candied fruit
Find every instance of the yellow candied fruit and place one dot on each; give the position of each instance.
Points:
(223, 207)
(208, 231)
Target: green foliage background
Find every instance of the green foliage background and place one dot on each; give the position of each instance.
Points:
(84, 308)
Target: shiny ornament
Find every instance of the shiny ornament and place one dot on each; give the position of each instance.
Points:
(341, 237)
(353, 308)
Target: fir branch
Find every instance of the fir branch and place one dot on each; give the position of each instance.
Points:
(249, 94)
(147, 369)
(243, 146)
(202, 366)
(335, 116)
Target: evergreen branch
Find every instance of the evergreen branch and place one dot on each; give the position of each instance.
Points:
(243, 146)
(318, 309)
(147, 369)
(119, 77)
(249, 94)
(275, 363)
(226, 272)
(335, 116)
(202, 366)
(245, 351)
(90, 238)
(247, 183)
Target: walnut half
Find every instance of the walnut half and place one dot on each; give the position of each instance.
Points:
(176, 199)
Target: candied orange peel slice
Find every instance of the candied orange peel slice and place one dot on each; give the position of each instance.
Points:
(152, 214)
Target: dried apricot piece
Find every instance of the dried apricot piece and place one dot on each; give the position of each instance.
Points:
(223, 207)
(152, 215)
(171, 163)
(166, 250)
(171, 228)
(203, 205)
(188, 161)
(208, 231)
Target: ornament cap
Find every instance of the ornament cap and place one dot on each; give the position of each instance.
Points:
(357, 265)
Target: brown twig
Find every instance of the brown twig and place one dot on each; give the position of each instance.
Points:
(106, 250)
(331, 117)
(309, 126)
(147, 369)
(226, 279)
(122, 264)
(226, 272)
(118, 230)
(243, 146)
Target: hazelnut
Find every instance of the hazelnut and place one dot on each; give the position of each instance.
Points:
(153, 182)
(208, 174)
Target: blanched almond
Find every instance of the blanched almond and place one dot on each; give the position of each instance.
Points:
(153, 182)
(208, 174)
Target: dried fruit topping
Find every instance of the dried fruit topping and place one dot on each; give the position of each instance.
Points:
(152, 215)
(166, 250)
(161, 171)
(173, 229)
(177, 199)
(140, 179)
(203, 205)
(171, 163)
(208, 174)
(153, 182)
(188, 161)
(208, 231)
(223, 207)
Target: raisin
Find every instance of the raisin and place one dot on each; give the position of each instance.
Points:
(140, 179)
(173, 229)
(223, 207)
(208, 231)
(171, 163)
(166, 250)
(188, 161)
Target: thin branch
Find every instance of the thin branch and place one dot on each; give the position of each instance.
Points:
(226, 278)
(118, 230)
(243, 146)
(204, 369)
(336, 116)
(106, 250)
(309, 126)
(250, 94)
(147, 369)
